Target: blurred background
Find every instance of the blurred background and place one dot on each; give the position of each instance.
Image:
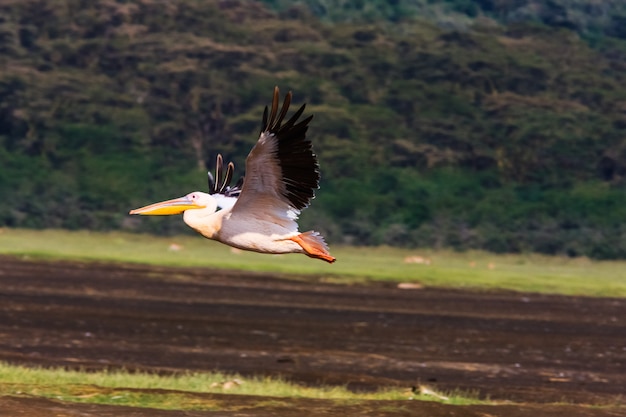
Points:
(462, 124)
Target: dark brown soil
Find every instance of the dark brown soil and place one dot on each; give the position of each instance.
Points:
(532, 350)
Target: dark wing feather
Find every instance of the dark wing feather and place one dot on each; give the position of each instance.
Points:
(220, 184)
(298, 164)
(235, 190)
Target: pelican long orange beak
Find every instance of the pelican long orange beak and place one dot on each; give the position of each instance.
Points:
(166, 208)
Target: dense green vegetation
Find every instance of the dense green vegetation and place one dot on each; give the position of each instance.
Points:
(590, 18)
(492, 125)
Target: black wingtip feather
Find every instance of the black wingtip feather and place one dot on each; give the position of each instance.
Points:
(265, 114)
(275, 101)
(220, 184)
(298, 163)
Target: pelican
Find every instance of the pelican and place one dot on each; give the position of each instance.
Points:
(260, 214)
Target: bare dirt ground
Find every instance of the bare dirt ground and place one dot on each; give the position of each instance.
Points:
(527, 350)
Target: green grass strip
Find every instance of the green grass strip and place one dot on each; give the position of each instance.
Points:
(181, 391)
(471, 270)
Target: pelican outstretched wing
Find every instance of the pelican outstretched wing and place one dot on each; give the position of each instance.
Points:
(282, 172)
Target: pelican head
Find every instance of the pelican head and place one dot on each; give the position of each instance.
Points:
(203, 202)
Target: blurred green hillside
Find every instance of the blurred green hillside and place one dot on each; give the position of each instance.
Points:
(491, 124)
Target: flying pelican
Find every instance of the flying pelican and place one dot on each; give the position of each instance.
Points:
(282, 174)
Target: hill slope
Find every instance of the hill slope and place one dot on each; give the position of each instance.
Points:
(505, 135)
